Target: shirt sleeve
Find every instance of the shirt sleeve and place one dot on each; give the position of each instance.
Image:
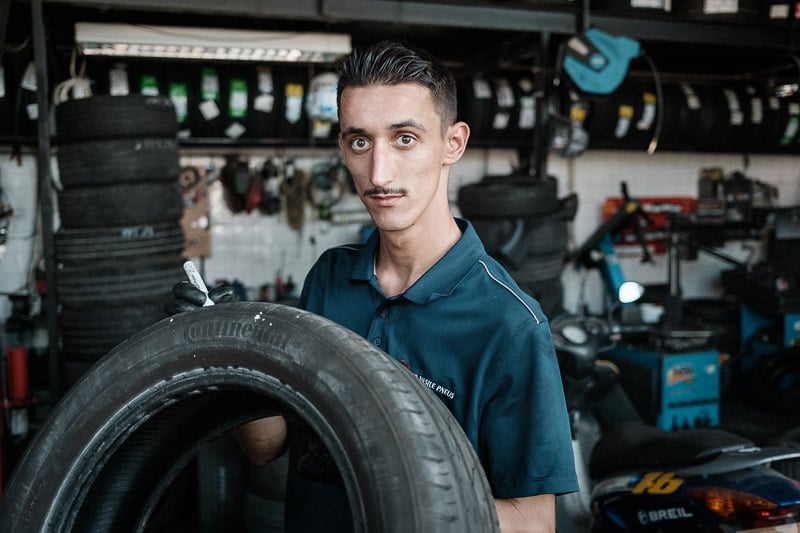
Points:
(525, 442)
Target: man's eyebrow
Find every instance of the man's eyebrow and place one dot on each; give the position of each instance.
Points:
(353, 131)
(410, 123)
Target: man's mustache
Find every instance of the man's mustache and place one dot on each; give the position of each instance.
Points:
(380, 191)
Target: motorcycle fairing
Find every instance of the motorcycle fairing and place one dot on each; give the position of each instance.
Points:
(633, 445)
(658, 500)
(786, 528)
(741, 459)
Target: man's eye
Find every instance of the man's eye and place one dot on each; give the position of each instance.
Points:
(359, 144)
(406, 140)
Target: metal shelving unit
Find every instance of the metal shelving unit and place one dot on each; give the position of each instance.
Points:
(537, 24)
(476, 14)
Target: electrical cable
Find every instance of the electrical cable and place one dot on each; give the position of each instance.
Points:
(651, 149)
(77, 83)
(15, 49)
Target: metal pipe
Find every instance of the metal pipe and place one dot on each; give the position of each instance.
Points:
(45, 199)
(540, 137)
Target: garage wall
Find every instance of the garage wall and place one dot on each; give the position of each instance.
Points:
(597, 175)
(254, 248)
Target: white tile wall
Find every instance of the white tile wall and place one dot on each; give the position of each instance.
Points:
(596, 175)
(254, 248)
(19, 188)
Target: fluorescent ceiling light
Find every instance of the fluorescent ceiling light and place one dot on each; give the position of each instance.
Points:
(136, 40)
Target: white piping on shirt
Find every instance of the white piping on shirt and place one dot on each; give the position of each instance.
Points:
(509, 289)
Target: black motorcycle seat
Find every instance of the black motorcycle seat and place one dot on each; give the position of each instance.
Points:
(634, 445)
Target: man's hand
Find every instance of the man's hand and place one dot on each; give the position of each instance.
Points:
(189, 297)
(262, 440)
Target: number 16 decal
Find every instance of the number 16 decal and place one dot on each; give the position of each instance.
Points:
(658, 483)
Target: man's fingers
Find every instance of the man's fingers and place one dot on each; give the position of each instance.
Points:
(184, 290)
(222, 294)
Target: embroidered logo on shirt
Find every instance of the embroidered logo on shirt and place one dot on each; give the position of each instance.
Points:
(435, 387)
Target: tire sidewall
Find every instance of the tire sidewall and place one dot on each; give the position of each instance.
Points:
(321, 370)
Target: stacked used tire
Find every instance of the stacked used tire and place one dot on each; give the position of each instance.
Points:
(119, 245)
(523, 224)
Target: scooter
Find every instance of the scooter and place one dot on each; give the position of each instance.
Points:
(636, 477)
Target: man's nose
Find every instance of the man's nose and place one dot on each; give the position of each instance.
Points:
(381, 167)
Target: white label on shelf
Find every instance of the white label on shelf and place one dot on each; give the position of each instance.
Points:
(118, 82)
(481, 88)
(264, 103)
(756, 110)
(658, 4)
(779, 11)
(500, 121)
(294, 109)
(235, 130)
(648, 117)
(209, 109)
(692, 100)
(623, 125)
(736, 115)
(29, 78)
(320, 129)
(209, 85)
(237, 104)
(714, 7)
(265, 84)
(527, 113)
(505, 94)
(32, 110)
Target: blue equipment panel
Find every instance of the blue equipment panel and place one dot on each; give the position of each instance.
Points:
(787, 322)
(675, 390)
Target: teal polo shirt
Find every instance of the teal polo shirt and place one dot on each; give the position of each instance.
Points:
(468, 332)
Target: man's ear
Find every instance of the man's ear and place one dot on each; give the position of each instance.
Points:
(456, 139)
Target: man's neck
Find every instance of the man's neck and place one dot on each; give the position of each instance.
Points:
(405, 256)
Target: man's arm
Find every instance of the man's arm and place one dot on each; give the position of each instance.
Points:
(262, 440)
(532, 514)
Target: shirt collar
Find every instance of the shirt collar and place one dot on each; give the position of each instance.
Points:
(441, 279)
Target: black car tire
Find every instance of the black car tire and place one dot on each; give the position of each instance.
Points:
(508, 197)
(127, 204)
(112, 161)
(120, 242)
(110, 282)
(114, 117)
(539, 268)
(116, 440)
(91, 331)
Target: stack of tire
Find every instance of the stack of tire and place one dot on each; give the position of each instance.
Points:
(523, 224)
(119, 245)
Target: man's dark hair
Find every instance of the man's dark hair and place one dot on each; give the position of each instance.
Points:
(393, 63)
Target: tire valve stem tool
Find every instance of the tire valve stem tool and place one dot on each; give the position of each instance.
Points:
(197, 280)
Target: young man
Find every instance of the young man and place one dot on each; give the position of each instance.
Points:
(424, 289)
